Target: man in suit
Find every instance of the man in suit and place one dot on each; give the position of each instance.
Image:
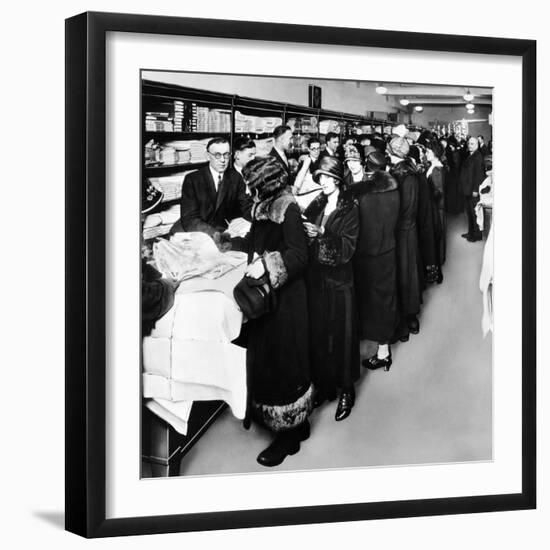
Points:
(482, 145)
(282, 136)
(472, 174)
(212, 196)
(244, 150)
(332, 141)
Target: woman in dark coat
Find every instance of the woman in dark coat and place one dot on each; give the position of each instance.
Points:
(454, 201)
(333, 227)
(436, 180)
(277, 354)
(375, 258)
(426, 220)
(408, 284)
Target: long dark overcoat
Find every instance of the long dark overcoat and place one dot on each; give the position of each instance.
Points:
(454, 201)
(375, 259)
(436, 179)
(278, 354)
(425, 218)
(334, 343)
(408, 284)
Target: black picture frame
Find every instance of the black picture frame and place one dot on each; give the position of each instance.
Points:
(86, 284)
(314, 96)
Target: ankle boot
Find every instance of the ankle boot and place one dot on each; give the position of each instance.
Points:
(284, 444)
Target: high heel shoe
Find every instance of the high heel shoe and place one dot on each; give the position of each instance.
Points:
(345, 404)
(374, 363)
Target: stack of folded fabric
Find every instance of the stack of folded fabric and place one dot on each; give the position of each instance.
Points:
(171, 185)
(168, 155)
(198, 150)
(158, 231)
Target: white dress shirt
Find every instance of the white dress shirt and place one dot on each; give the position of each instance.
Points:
(217, 177)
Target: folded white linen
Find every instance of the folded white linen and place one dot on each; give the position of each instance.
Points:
(189, 355)
(176, 414)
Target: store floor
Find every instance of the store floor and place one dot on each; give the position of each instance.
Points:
(434, 405)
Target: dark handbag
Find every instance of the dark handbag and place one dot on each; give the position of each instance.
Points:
(255, 297)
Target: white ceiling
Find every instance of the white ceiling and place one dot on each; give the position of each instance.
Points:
(429, 94)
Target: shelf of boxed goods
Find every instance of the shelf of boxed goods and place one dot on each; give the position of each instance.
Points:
(175, 136)
(165, 168)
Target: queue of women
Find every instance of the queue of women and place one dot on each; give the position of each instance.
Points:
(351, 265)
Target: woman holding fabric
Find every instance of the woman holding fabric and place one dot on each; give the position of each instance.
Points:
(332, 227)
(277, 354)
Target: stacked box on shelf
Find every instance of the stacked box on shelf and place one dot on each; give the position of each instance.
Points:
(178, 115)
(255, 124)
(159, 121)
(202, 119)
(326, 126)
(219, 121)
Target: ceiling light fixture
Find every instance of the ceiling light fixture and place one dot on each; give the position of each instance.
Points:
(469, 106)
(468, 96)
(381, 89)
(404, 101)
(419, 108)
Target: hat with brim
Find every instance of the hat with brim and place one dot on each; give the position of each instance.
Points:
(399, 147)
(330, 166)
(351, 153)
(376, 161)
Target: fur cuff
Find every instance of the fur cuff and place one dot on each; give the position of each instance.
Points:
(276, 268)
(279, 418)
(328, 249)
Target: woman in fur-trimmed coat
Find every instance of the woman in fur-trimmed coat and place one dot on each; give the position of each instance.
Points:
(376, 261)
(333, 227)
(277, 353)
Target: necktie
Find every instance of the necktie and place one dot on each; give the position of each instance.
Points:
(219, 182)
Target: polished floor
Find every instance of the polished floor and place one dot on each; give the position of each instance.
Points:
(433, 406)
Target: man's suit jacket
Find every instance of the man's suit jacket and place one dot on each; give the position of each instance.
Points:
(275, 154)
(325, 153)
(472, 173)
(202, 209)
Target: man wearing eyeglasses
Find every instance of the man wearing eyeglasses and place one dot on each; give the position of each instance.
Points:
(304, 186)
(212, 196)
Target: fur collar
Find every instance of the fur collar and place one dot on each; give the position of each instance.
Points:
(403, 169)
(317, 205)
(274, 208)
(381, 182)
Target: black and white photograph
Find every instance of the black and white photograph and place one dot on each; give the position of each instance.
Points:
(316, 264)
